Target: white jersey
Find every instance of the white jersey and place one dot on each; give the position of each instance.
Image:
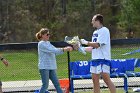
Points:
(101, 36)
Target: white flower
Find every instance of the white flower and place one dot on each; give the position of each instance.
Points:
(75, 42)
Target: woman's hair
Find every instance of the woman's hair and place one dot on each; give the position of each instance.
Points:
(41, 32)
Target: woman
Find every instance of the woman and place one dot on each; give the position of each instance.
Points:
(47, 60)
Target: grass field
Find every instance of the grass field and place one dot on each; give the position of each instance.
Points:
(23, 63)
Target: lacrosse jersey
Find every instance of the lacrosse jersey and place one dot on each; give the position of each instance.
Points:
(101, 36)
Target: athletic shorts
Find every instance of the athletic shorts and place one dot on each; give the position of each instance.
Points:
(0, 83)
(100, 65)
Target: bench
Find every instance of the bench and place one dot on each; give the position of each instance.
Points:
(122, 68)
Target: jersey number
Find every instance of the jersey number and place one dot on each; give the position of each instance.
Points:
(95, 39)
(83, 63)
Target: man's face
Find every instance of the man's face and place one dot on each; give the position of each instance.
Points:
(94, 22)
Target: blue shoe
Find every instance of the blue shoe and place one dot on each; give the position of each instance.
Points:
(37, 91)
(82, 50)
(47, 92)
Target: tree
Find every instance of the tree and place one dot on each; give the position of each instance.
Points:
(129, 15)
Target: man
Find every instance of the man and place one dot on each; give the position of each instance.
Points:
(5, 62)
(101, 54)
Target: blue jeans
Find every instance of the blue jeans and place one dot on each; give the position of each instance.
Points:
(45, 76)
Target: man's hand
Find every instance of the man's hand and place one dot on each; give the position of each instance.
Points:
(83, 41)
(76, 46)
(5, 62)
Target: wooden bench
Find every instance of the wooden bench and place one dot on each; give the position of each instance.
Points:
(122, 68)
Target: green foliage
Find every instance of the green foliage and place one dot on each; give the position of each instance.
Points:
(23, 18)
(127, 13)
(130, 15)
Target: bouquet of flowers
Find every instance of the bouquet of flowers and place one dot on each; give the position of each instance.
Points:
(75, 42)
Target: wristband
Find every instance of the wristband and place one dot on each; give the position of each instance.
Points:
(1, 58)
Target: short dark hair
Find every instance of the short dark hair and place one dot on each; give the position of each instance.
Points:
(99, 18)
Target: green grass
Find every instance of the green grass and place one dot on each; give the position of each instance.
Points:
(23, 66)
(117, 53)
(24, 63)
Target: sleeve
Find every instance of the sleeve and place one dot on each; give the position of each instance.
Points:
(103, 37)
(48, 47)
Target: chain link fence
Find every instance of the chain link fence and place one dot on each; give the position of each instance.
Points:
(23, 75)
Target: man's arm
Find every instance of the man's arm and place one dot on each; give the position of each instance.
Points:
(92, 44)
(5, 62)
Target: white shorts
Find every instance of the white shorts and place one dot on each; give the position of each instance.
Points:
(100, 68)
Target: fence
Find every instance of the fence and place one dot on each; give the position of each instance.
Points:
(23, 60)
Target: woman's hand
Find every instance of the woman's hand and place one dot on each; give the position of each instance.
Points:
(68, 48)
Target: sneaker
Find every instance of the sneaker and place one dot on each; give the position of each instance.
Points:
(37, 91)
(136, 90)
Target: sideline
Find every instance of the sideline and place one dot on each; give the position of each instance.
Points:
(31, 85)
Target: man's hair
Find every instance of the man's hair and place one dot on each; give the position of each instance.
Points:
(99, 18)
